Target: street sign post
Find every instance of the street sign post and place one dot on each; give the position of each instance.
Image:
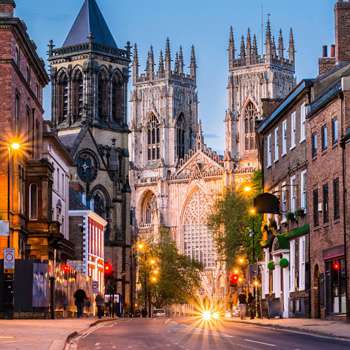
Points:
(95, 287)
(9, 260)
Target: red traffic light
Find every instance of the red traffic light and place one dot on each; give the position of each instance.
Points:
(108, 269)
(234, 278)
(65, 268)
(336, 266)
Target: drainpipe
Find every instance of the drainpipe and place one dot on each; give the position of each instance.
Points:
(342, 144)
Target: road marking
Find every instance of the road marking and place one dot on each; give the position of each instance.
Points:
(259, 342)
(6, 337)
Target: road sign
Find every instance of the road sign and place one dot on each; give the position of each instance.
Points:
(4, 228)
(95, 287)
(9, 259)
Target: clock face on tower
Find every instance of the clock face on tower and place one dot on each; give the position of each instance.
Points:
(87, 166)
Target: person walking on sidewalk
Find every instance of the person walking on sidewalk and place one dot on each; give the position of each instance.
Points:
(100, 302)
(80, 297)
(242, 299)
(251, 305)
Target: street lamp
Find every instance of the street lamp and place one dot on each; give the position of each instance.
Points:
(12, 147)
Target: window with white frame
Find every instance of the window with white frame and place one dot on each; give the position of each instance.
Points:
(269, 153)
(292, 194)
(284, 201)
(303, 189)
(302, 262)
(284, 137)
(276, 145)
(292, 266)
(302, 123)
(293, 124)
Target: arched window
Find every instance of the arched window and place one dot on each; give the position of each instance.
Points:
(148, 208)
(249, 126)
(33, 202)
(77, 95)
(197, 238)
(117, 100)
(153, 139)
(99, 204)
(103, 95)
(180, 137)
(62, 97)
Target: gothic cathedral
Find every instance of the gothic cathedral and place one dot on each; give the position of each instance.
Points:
(174, 175)
(89, 76)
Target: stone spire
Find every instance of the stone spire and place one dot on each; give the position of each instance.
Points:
(280, 45)
(291, 50)
(199, 137)
(255, 53)
(268, 41)
(176, 64)
(167, 58)
(274, 50)
(231, 48)
(181, 61)
(193, 65)
(242, 54)
(150, 64)
(135, 65)
(248, 49)
(161, 69)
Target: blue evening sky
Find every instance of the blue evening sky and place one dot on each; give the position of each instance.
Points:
(204, 23)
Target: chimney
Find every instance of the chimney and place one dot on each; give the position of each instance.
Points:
(7, 8)
(333, 50)
(342, 30)
(324, 51)
(326, 63)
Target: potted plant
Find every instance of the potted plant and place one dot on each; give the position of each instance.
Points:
(290, 216)
(300, 213)
(271, 265)
(284, 263)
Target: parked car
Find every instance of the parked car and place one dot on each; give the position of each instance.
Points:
(159, 313)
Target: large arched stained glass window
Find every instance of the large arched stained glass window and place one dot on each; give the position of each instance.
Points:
(180, 137)
(197, 237)
(149, 206)
(153, 139)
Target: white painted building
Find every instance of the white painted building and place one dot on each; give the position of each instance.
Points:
(60, 159)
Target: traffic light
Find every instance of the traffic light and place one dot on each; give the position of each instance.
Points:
(234, 279)
(108, 269)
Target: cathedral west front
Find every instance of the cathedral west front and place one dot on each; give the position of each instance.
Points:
(175, 176)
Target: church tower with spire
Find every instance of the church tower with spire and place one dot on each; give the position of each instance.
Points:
(254, 81)
(164, 117)
(89, 78)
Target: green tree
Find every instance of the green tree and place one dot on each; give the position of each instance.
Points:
(232, 222)
(178, 278)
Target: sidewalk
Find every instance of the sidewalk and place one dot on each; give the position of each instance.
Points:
(39, 334)
(336, 329)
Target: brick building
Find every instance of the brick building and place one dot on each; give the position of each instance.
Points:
(328, 122)
(23, 76)
(282, 139)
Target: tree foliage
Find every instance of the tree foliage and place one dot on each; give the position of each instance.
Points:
(232, 223)
(179, 276)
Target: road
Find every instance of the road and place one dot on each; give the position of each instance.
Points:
(185, 334)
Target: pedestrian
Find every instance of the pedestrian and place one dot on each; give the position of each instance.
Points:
(242, 298)
(100, 302)
(251, 305)
(80, 297)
